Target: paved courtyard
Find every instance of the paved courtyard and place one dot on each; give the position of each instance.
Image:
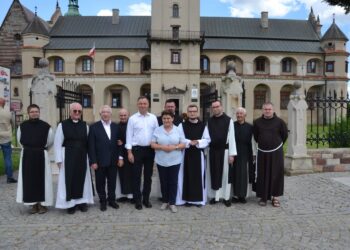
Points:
(315, 214)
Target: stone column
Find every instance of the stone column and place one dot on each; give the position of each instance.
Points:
(43, 93)
(297, 160)
(231, 91)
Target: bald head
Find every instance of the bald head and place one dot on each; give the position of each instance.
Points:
(123, 115)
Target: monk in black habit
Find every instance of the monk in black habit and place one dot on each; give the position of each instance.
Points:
(243, 170)
(270, 132)
(124, 172)
(191, 186)
(35, 182)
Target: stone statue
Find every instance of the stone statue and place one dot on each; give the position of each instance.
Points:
(297, 160)
(231, 90)
(43, 93)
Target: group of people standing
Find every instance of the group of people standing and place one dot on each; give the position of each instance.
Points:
(189, 174)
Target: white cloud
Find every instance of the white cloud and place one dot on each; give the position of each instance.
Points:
(251, 8)
(105, 13)
(140, 9)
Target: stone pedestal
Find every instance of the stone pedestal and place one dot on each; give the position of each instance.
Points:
(297, 160)
(295, 165)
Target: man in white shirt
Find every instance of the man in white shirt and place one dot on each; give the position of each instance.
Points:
(139, 133)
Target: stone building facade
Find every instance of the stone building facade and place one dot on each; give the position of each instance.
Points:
(175, 54)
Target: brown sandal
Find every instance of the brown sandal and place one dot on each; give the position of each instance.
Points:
(275, 202)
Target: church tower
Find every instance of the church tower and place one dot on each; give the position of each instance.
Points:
(175, 41)
(73, 8)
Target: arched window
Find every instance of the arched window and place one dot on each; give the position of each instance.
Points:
(86, 92)
(284, 96)
(146, 91)
(175, 10)
(261, 93)
(205, 64)
(311, 66)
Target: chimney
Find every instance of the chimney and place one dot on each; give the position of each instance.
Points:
(115, 16)
(264, 19)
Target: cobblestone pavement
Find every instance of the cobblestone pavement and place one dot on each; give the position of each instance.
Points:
(314, 214)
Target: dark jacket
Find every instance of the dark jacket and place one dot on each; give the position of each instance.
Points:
(102, 150)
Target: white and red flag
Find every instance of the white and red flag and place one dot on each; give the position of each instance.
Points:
(92, 51)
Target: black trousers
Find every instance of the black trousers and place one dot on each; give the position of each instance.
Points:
(102, 174)
(143, 157)
(168, 182)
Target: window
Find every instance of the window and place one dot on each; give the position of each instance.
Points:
(87, 101)
(58, 65)
(116, 100)
(284, 99)
(259, 98)
(175, 10)
(36, 62)
(311, 66)
(87, 65)
(146, 91)
(145, 64)
(346, 66)
(329, 66)
(287, 65)
(204, 64)
(119, 65)
(176, 30)
(260, 64)
(175, 57)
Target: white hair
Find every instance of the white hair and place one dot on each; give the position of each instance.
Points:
(241, 109)
(106, 107)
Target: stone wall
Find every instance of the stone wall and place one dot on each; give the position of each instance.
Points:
(330, 159)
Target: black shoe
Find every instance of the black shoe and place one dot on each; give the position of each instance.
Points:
(212, 201)
(113, 204)
(227, 203)
(138, 206)
(82, 207)
(242, 200)
(123, 199)
(235, 200)
(103, 206)
(71, 210)
(147, 204)
(11, 180)
(188, 204)
(132, 201)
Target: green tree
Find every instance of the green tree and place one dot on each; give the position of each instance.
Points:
(342, 3)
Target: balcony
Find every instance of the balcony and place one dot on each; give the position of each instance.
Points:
(176, 36)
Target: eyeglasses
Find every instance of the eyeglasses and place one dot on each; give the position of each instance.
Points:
(77, 111)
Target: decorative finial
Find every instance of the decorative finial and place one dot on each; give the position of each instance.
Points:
(57, 5)
(333, 17)
(36, 9)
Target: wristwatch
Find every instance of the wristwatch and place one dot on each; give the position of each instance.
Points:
(177, 147)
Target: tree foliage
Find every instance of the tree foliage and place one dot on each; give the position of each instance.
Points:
(342, 3)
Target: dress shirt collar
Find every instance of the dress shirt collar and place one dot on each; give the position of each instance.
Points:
(139, 114)
(106, 123)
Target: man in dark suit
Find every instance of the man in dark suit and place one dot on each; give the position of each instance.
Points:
(104, 156)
